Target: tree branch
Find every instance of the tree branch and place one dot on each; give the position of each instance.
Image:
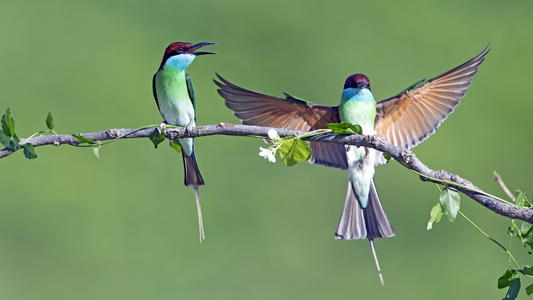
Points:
(405, 157)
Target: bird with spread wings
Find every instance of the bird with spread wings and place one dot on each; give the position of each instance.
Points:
(404, 120)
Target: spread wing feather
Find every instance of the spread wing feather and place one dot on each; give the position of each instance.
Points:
(254, 108)
(410, 117)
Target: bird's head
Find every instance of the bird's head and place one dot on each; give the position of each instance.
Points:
(357, 87)
(357, 81)
(182, 54)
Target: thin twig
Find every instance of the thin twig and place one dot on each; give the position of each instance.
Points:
(504, 187)
(404, 156)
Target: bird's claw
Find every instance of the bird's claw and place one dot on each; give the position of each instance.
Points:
(189, 127)
(161, 127)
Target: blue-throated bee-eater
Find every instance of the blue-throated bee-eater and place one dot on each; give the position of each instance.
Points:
(404, 120)
(175, 98)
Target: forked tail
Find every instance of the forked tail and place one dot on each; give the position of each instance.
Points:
(370, 222)
(357, 223)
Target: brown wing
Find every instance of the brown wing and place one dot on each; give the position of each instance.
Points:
(254, 108)
(412, 116)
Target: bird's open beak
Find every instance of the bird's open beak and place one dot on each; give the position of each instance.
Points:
(200, 45)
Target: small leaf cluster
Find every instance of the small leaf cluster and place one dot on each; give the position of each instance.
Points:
(449, 205)
(293, 151)
(511, 279)
(523, 231)
(8, 137)
(157, 136)
(10, 140)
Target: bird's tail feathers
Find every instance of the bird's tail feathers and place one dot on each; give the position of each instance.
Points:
(194, 179)
(192, 172)
(360, 223)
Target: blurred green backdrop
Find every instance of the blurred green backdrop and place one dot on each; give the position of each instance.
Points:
(124, 227)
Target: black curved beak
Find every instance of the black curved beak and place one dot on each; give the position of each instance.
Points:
(200, 45)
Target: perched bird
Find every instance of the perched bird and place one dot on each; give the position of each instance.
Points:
(404, 120)
(175, 98)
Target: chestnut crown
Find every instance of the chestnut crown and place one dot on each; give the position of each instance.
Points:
(357, 81)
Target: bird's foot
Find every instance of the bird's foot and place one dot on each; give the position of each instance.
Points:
(161, 127)
(189, 127)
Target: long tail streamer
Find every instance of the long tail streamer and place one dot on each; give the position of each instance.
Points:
(376, 261)
(199, 210)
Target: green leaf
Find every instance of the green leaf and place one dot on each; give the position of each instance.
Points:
(345, 128)
(435, 215)
(83, 139)
(8, 138)
(176, 146)
(50, 121)
(4, 139)
(505, 279)
(294, 151)
(96, 152)
(8, 124)
(14, 144)
(29, 151)
(529, 289)
(514, 289)
(156, 137)
(450, 200)
(10, 143)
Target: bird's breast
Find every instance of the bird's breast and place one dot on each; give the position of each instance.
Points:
(173, 97)
(359, 112)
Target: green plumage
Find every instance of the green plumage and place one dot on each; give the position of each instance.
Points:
(359, 107)
(175, 99)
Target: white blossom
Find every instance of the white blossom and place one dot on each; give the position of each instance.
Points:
(267, 154)
(273, 134)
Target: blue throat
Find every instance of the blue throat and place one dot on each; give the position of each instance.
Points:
(180, 62)
(353, 94)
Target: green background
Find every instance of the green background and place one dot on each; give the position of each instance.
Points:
(124, 227)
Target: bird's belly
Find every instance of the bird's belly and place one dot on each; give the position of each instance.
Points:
(361, 169)
(177, 112)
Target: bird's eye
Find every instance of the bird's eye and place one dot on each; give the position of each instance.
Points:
(180, 49)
